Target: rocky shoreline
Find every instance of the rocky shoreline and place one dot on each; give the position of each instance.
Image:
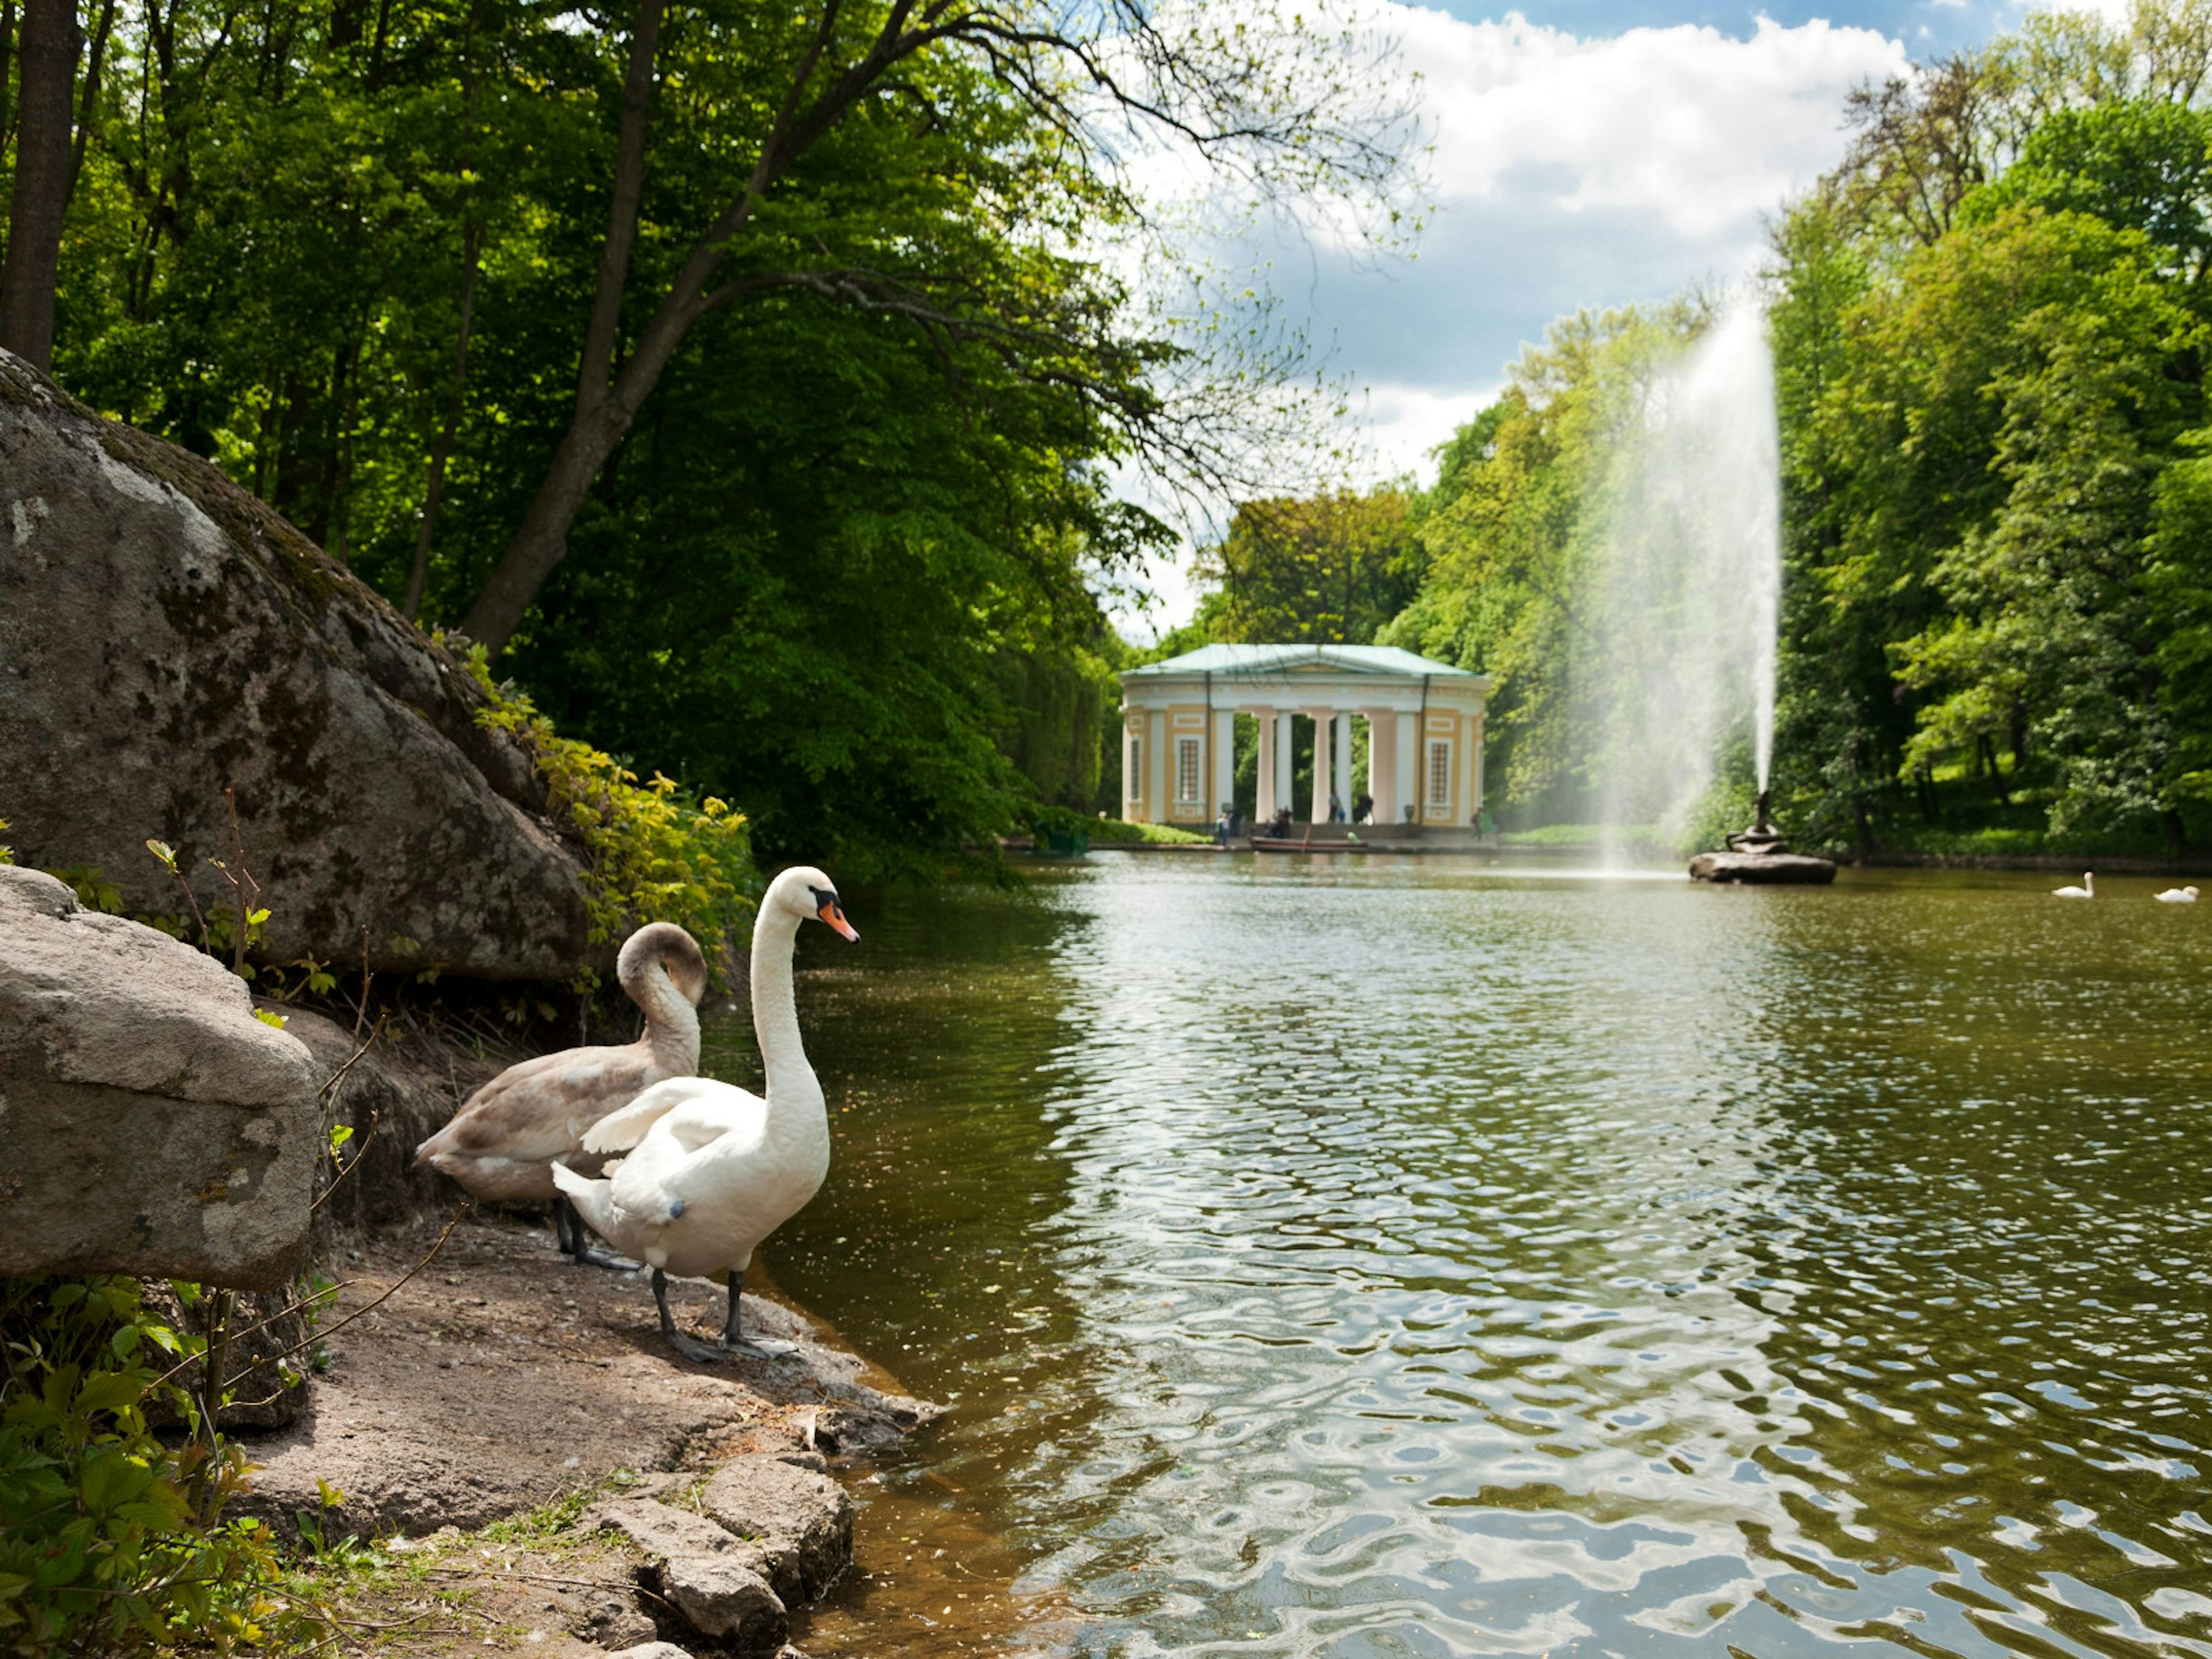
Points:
(501, 1382)
(496, 1386)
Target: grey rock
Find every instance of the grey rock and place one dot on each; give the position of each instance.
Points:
(621, 1628)
(720, 1596)
(720, 1583)
(150, 1124)
(661, 1532)
(391, 1111)
(266, 1371)
(653, 1651)
(800, 1520)
(164, 633)
(1762, 869)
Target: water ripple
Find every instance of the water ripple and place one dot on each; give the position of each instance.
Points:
(1416, 1260)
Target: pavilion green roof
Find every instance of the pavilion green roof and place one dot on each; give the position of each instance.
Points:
(1262, 661)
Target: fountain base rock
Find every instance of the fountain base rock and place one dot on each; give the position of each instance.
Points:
(1758, 857)
(1763, 869)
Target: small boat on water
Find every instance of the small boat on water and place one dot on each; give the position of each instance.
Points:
(1285, 844)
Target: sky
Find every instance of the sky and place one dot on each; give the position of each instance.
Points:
(1585, 153)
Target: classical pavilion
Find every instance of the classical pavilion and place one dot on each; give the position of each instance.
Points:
(1424, 725)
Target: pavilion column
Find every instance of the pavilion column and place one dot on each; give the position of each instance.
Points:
(1344, 760)
(1263, 805)
(1382, 763)
(1475, 769)
(1284, 770)
(1323, 719)
(1224, 745)
(1410, 781)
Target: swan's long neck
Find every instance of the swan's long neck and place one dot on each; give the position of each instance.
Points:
(672, 1024)
(792, 1088)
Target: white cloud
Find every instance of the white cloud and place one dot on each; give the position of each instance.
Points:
(1567, 172)
(1705, 130)
(1402, 424)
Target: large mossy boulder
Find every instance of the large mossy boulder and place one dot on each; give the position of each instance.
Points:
(165, 636)
(150, 1124)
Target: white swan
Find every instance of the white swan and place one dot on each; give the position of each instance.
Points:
(2178, 895)
(502, 1143)
(712, 1169)
(2087, 890)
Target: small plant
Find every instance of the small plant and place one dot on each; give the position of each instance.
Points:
(227, 930)
(111, 1540)
(657, 854)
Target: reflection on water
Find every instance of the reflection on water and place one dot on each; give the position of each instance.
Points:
(1408, 1259)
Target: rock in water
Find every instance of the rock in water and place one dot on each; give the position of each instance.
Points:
(164, 633)
(150, 1124)
(798, 1519)
(1763, 869)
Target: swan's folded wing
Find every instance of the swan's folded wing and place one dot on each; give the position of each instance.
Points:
(538, 1109)
(705, 1119)
(623, 1128)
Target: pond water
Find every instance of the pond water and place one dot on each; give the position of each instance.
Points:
(1424, 1257)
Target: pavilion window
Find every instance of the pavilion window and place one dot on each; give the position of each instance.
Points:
(1440, 774)
(1186, 771)
(1136, 769)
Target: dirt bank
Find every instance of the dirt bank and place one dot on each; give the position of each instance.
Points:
(500, 1377)
(502, 1411)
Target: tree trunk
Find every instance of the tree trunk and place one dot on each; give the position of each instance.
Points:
(7, 54)
(49, 52)
(91, 98)
(542, 542)
(442, 450)
(599, 426)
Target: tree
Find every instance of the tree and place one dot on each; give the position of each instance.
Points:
(44, 169)
(1279, 110)
(2049, 622)
(1331, 570)
(2139, 164)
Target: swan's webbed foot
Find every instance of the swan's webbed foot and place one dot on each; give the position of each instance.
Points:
(575, 1241)
(591, 1256)
(707, 1352)
(731, 1346)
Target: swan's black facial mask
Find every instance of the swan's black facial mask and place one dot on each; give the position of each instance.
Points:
(827, 907)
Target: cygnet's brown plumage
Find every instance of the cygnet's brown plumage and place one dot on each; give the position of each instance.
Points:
(501, 1143)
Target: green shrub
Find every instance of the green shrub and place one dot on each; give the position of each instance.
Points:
(111, 1540)
(657, 853)
(1122, 830)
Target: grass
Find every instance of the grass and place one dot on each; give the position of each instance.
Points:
(1122, 830)
(1999, 841)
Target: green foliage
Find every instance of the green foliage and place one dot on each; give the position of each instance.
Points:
(839, 569)
(1330, 570)
(1164, 834)
(110, 1540)
(1990, 328)
(656, 854)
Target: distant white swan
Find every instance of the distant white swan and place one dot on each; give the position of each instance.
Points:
(712, 1169)
(2178, 895)
(2087, 890)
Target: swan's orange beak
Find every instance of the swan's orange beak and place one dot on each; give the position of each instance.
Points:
(835, 917)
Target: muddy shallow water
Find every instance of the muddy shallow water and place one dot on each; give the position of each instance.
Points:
(1417, 1257)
